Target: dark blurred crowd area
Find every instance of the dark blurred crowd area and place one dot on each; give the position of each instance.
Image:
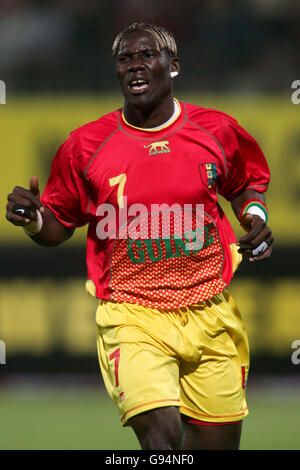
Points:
(224, 45)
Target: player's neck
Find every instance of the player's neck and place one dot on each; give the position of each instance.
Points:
(149, 117)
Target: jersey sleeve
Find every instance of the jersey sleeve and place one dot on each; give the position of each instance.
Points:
(66, 193)
(247, 167)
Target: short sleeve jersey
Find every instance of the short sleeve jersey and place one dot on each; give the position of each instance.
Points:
(119, 179)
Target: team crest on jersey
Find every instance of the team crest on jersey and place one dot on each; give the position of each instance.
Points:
(158, 147)
(208, 174)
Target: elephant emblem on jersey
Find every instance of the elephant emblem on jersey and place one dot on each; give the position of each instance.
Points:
(158, 147)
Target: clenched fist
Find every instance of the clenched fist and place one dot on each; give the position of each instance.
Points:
(26, 198)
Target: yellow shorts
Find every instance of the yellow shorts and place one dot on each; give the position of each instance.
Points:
(195, 358)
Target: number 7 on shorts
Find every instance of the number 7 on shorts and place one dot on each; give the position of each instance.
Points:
(116, 356)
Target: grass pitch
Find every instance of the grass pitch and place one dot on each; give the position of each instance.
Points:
(87, 419)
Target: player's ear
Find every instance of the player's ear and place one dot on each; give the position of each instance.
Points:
(174, 67)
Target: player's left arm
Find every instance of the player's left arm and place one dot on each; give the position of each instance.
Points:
(257, 243)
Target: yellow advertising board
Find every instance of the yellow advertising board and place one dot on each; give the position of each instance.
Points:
(33, 127)
(40, 316)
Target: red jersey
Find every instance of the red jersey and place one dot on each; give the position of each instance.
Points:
(108, 162)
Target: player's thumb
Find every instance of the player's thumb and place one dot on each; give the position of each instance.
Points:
(35, 190)
(34, 186)
(246, 221)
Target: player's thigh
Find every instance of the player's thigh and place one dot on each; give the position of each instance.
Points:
(160, 429)
(213, 391)
(212, 436)
(138, 376)
(139, 366)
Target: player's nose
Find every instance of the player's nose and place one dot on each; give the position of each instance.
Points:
(135, 64)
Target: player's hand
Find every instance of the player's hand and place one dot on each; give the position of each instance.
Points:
(257, 244)
(27, 198)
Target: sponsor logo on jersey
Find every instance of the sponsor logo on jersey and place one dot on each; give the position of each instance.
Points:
(158, 147)
(208, 174)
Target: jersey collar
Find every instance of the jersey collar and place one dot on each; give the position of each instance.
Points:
(172, 124)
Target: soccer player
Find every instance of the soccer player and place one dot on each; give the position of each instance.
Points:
(172, 346)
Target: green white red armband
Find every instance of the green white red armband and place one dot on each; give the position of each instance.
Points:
(254, 207)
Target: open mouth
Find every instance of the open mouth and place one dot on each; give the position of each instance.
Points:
(138, 86)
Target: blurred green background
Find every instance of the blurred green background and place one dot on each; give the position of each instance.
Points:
(44, 417)
(238, 57)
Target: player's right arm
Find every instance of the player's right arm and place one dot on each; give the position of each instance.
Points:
(63, 206)
(52, 232)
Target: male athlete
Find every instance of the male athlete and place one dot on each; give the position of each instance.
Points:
(171, 342)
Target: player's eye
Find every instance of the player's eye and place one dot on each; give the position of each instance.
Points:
(144, 55)
(149, 54)
(122, 59)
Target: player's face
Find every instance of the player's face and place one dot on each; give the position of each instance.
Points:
(144, 70)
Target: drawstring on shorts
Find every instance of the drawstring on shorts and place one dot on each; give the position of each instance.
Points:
(183, 315)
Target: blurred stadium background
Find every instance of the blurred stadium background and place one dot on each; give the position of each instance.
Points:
(239, 57)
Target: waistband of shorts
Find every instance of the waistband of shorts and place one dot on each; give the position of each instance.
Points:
(216, 299)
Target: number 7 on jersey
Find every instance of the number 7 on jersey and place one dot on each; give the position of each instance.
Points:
(120, 180)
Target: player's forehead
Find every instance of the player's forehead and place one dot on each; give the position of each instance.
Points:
(137, 41)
